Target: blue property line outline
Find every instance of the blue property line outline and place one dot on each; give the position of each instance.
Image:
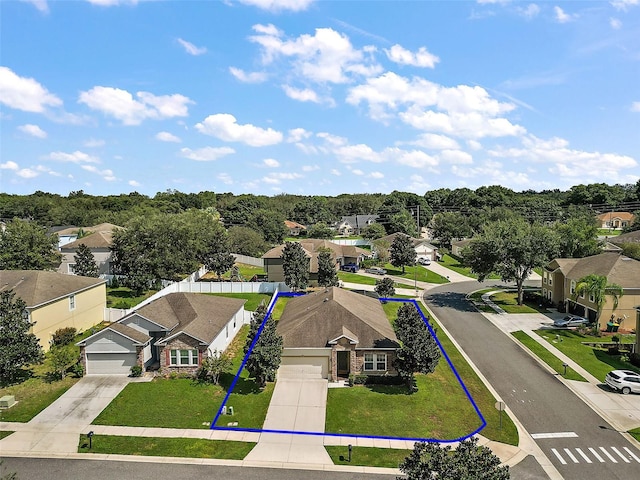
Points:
(348, 435)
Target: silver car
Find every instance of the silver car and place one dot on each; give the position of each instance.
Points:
(571, 321)
(376, 270)
(624, 381)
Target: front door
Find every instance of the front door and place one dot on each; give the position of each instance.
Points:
(343, 363)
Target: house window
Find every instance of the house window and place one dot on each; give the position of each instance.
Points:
(550, 279)
(72, 302)
(572, 289)
(375, 362)
(71, 268)
(592, 299)
(544, 277)
(234, 321)
(184, 357)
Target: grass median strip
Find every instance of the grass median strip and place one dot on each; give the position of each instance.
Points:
(367, 456)
(635, 433)
(547, 357)
(165, 447)
(4, 433)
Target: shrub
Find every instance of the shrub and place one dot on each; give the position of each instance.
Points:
(77, 370)
(613, 351)
(384, 380)
(357, 380)
(634, 358)
(136, 371)
(63, 336)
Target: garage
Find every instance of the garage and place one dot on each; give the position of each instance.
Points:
(304, 365)
(110, 363)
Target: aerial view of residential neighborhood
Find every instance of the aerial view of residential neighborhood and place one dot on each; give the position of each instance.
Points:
(314, 239)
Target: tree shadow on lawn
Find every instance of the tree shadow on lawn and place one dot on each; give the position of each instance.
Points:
(392, 389)
(613, 361)
(244, 386)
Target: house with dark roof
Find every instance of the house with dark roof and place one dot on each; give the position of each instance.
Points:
(55, 300)
(630, 237)
(99, 241)
(354, 224)
(174, 333)
(561, 275)
(338, 333)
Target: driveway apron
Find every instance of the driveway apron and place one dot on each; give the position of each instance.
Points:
(298, 404)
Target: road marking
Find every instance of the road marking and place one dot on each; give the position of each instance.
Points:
(608, 455)
(538, 436)
(571, 455)
(621, 455)
(632, 454)
(562, 460)
(595, 454)
(582, 454)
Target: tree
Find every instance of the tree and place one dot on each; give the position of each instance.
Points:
(295, 263)
(26, 245)
(86, 265)
(402, 222)
(418, 351)
(402, 251)
(217, 257)
(270, 224)
(213, 366)
(18, 347)
(381, 248)
(62, 358)
(264, 359)
(246, 241)
(385, 287)
(430, 461)
(631, 250)
(512, 249)
(635, 225)
(327, 275)
(373, 231)
(578, 236)
(320, 230)
(597, 287)
(449, 225)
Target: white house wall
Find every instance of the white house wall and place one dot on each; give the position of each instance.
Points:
(146, 354)
(110, 342)
(228, 332)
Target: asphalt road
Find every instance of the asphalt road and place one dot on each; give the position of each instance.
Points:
(540, 401)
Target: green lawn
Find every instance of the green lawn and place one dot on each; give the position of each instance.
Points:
(123, 297)
(364, 280)
(596, 361)
(421, 274)
(367, 456)
(508, 301)
(246, 272)
(165, 447)
(278, 308)
(455, 263)
(547, 357)
(635, 433)
(609, 232)
(253, 299)
(4, 433)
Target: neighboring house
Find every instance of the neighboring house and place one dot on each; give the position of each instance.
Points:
(341, 254)
(615, 220)
(457, 246)
(174, 333)
(57, 301)
(99, 241)
(354, 224)
(294, 228)
(338, 332)
(560, 277)
(631, 237)
(422, 246)
(66, 234)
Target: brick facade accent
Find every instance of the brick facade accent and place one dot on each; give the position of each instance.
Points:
(183, 342)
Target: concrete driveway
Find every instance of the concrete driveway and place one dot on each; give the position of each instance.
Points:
(56, 428)
(298, 404)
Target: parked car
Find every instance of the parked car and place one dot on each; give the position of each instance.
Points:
(350, 267)
(571, 321)
(424, 261)
(624, 381)
(376, 270)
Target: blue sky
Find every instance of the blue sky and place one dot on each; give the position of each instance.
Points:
(317, 97)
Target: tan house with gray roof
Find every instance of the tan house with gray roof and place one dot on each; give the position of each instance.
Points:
(57, 301)
(99, 241)
(338, 333)
(174, 333)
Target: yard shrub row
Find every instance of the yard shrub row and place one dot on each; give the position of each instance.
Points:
(375, 380)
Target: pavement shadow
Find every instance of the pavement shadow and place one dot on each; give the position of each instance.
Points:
(457, 301)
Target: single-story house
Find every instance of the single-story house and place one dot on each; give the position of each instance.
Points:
(339, 333)
(294, 228)
(423, 248)
(561, 275)
(341, 254)
(615, 220)
(457, 246)
(99, 242)
(174, 333)
(631, 237)
(55, 300)
(66, 233)
(354, 224)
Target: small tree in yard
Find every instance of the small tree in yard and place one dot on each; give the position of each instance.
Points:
(419, 351)
(62, 358)
(18, 347)
(217, 257)
(385, 287)
(402, 252)
(295, 263)
(86, 265)
(430, 461)
(264, 360)
(327, 275)
(214, 366)
(597, 287)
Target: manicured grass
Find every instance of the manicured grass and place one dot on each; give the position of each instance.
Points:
(4, 434)
(608, 232)
(364, 280)
(421, 274)
(454, 263)
(123, 297)
(547, 357)
(246, 272)
(253, 299)
(508, 301)
(367, 456)
(165, 447)
(635, 433)
(596, 361)
(278, 308)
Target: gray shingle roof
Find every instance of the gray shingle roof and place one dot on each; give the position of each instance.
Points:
(132, 333)
(631, 237)
(617, 268)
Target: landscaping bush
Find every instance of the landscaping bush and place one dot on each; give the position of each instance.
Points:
(357, 380)
(77, 370)
(384, 380)
(136, 371)
(63, 336)
(634, 358)
(613, 351)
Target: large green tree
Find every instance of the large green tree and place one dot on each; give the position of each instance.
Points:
(385, 287)
(265, 356)
(18, 347)
(597, 287)
(246, 241)
(295, 263)
(86, 265)
(402, 252)
(270, 224)
(217, 257)
(327, 275)
(373, 231)
(511, 248)
(449, 225)
(25, 245)
(321, 230)
(578, 236)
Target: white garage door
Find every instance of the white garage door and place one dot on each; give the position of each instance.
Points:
(110, 363)
(304, 366)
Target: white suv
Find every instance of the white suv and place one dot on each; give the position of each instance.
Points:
(625, 381)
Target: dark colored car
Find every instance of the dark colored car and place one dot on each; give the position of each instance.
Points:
(350, 267)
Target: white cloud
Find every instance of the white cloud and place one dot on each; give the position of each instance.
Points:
(27, 173)
(376, 175)
(310, 168)
(75, 157)
(121, 105)
(302, 95)
(421, 58)
(206, 154)
(271, 163)
(562, 17)
(9, 166)
(297, 134)
(624, 5)
(333, 140)
(335, 172)
(417, 184)
(456, 157)
(191, 49)
(279, 5)
(413, 158)
(277, 178)
(106, 175)
(635, 107)
(41, 5)
(112, 3)
(357, 171)
(530, 11)
(167, 137)
(93, 143)
(33, 130)
(615, 23)
(435, 142)
(251, 77)
(225, 127)
(355, 153)
(134, 183)
(225, 178)
(44, 169)
(24, 93)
